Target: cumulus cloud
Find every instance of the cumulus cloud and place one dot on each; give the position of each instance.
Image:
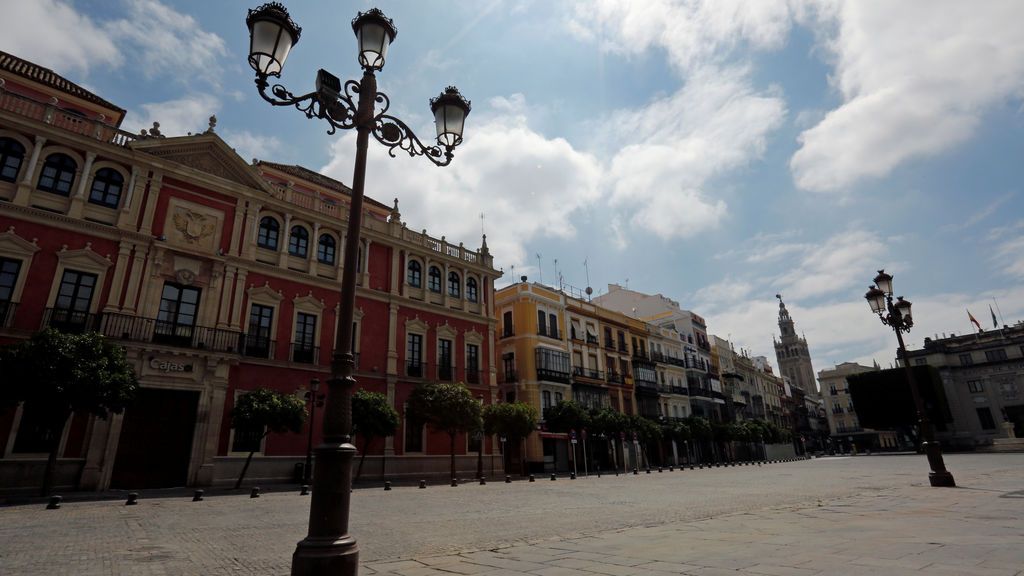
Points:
(52, 33)
(249, 145)
(153, 37)
(915, 79)
(528, 185)
(845, 259)
(177, 117)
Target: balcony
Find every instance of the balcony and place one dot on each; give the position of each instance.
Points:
(507, 332)
(591, 373)
(511, 376)
(472, 376)
(72, 321)
(7, 310)
(622, 347)
(49, 114)
(258, 346)
(615, 378)
(552, 375)
(139, 329)
(304, 353)
(445, 371)
(658, 357)
(592, 340)
(608, 344)
(678, 390)
(675, 361)
(415, 369)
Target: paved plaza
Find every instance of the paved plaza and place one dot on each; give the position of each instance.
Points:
(837, 516)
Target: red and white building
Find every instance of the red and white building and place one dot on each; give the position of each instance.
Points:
(217, 276)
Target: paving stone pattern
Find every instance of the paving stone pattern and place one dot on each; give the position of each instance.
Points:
(837, 516)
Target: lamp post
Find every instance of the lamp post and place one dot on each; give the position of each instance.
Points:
(897, 316)
(328, 548)
(480, 446)
(315, 401)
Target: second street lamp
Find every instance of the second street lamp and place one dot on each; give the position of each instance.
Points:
(898, 317)
(328, 548)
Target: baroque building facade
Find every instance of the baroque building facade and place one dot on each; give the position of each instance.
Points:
(218, 277)
(792, 354)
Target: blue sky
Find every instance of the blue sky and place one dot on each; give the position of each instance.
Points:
(716, 152)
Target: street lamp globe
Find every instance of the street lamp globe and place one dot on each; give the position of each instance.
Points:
(903, 307)
(450, 109)
(374, 32)
(876, 299)
(272, 33)
(884, 282)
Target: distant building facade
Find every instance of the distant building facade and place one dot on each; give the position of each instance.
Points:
(983, 379)
(217, 277)
(845, 427)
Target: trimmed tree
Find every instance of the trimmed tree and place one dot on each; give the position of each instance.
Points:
(372, 417)
(448, 408)
(514, 420)
(268, 411)
(62, 374)
(566, 415)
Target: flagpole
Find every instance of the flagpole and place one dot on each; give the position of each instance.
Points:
(1001, 319)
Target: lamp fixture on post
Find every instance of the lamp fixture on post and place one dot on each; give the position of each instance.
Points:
(328, 548)
(898, 317)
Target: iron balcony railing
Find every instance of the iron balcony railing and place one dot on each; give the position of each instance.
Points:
(415, 368)
(552, 375)
(511, 376)
(304, 353)
(71, 321)
(615, 378)
(592, 340)
(472, 376)
(581, 372)
(141, 329)
(446, 372)
(258, 346)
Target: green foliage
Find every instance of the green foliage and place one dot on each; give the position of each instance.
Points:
(513, 420)
(277, 411)
(700, 428)
(445, 407)
(67, 373)
(565, 416)
(372, 415)
(608, 422)
(647, 430)
(677, 430)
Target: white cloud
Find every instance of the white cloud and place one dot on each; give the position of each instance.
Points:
(249, 145)
(529, 186)
(153, 37)
(846, 259)
(176, 117)
(986, 211)
(915, 79)
(674, 146)
(53, 34)
(1009, 256)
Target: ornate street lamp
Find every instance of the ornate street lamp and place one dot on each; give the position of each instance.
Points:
(328, 548)
(897, 316)
(315, 401)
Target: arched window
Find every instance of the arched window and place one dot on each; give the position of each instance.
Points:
(298, 242)
(268, 234)
(414, 274)
(11, 155)
(434, 279)
(454, 285)
(58, 174)
(106, 187)
(471, 291)
(326, 249)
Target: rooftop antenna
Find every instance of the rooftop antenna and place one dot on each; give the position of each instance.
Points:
(586, 267)
(482, 231)
(513, 267)
(559, 274)
(1001, 319)
(627, 283)
(540, 269)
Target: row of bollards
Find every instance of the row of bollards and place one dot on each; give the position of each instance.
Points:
(54, 502)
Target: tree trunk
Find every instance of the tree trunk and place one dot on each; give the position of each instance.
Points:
(51, 461)
(451, 451)
(362, 458)
(245, 468)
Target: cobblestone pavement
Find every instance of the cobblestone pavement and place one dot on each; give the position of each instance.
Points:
(838, 516)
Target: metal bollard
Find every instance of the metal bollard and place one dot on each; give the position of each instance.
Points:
(483, 481)
(255, 493)
(572, 475)
(552, 476)
(54, 502)
(531, 478)
(508, 479)
(133, 499)
(197, 496)
(648, 470)
(671, 469)
(423, 484)
(598, 471)
(635, 471)
(305, 490)
(455, 482)
(659, 469)
(387, 485)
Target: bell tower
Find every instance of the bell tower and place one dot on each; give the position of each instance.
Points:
(792, 354)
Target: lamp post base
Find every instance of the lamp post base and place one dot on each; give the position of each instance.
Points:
(941, 479)
(315, 556)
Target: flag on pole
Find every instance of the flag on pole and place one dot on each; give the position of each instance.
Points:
(974, 320)
(995, 324)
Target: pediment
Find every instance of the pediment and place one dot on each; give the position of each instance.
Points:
(206, 153)
(11, 243)
(264, 292)
(84, 258)
(446, 331)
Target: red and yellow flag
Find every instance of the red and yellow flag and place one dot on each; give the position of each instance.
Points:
(973, 319)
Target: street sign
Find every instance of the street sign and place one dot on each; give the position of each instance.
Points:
(574, 441)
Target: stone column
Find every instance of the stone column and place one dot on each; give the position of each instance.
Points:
(138, 273)
(392, 368)
(151, 198)
(78, 198)
(237, 233)
(236, 307)
(124, 218)
(224, 313)
(117, 283)
(25, 186)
